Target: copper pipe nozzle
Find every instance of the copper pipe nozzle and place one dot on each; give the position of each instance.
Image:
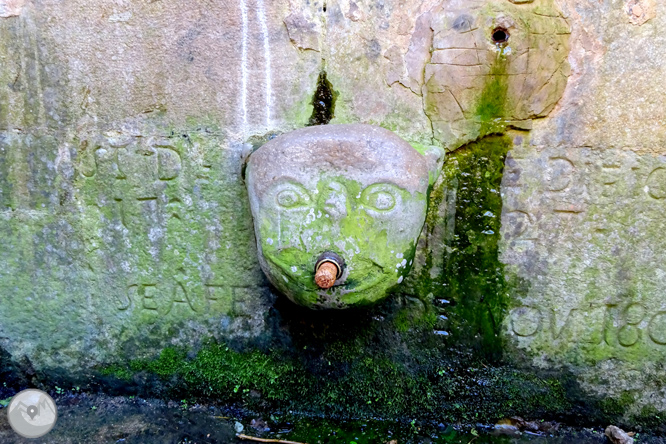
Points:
(326, 275)
(328, 269)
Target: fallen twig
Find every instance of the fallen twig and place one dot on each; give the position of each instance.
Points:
(282, 441)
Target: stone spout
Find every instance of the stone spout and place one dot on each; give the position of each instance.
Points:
(324, 193)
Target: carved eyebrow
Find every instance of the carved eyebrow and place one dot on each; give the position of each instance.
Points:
(386, 184)
(284, 183)
(302, 194)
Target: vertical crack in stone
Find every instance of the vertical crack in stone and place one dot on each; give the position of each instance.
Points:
(423, 95)
(323, 102)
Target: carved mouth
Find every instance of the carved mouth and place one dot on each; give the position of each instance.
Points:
(286, 269)
(371, 271)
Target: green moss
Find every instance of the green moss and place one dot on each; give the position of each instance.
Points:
(123, 373)
(492, 101)
(371, 273)
(493, 104)
(348, 379)
(620, 411)
(473, 277)
(650, 418)
(408, 318)
(616, 407)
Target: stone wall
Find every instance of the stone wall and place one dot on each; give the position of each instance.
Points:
(126, 230)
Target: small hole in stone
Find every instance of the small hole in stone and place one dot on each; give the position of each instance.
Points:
(500, 35)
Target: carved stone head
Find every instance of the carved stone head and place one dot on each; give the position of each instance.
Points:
(494, 63)
(350, 196)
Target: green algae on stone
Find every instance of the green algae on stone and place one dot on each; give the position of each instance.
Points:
(127, 241)
(492, 101)
(584, 232)
(472, 278)
(347, 382)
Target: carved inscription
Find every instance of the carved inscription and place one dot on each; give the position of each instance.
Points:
(133, 175)
(657, 328)
(577, 224)
(86, 164)
(158, 236)
(522, 225)
(559, 174)
(160, 160)
(656, 183)
(162, 298)
(623, 326)
(555, 190)
(526, 321)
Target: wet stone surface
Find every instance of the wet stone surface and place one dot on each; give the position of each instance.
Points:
(103, 419)
(84, 418)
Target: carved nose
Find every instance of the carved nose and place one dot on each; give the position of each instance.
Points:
(328, 269)
(335, 201)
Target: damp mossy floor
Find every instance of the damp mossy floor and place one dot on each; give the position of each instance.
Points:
(83, 417)
(344, 383)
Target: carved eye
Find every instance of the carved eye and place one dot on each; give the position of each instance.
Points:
(291, 196)
(288, 198)
(381, 200)
(380, 197)
(463, 23)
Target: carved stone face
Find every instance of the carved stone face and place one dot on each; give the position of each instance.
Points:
(356, 190)
(494, 62)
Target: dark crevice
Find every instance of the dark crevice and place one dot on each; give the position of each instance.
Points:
(500, 35)
(323, 102)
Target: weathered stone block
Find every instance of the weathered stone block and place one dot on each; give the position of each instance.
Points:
(498, 62)
(120, 241)
(583, 226)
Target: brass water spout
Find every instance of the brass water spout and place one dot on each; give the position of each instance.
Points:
(328, 269)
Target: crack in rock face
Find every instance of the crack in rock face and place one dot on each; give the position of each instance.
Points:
(493, 64)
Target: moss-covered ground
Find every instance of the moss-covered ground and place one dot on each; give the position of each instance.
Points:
(343, 379)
